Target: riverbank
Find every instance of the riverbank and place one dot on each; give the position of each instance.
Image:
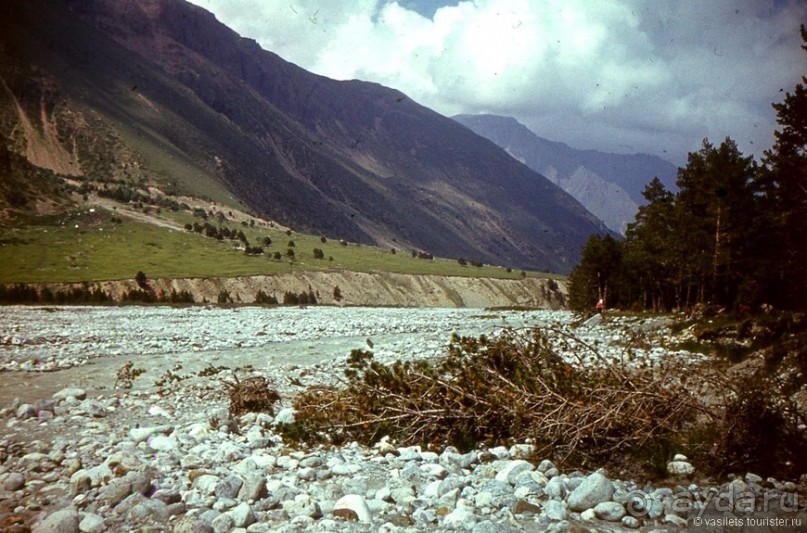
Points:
(166, 454)
(348, 288)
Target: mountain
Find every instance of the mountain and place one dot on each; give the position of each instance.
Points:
(158, 91)
(608, 185)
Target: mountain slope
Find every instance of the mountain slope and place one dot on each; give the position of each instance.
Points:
(609, 185)
(159, 90)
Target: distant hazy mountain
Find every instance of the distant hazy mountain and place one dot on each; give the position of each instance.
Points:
(608, 185)
(160, 91)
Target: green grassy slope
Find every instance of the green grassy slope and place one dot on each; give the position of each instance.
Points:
(93, 243)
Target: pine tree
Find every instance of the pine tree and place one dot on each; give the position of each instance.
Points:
(715, 207)
(783, 188)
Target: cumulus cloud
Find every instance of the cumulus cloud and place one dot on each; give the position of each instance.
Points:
(622, 76)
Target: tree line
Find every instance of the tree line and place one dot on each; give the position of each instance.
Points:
(734, 235)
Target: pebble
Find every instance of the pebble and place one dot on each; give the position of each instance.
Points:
(181, 462)
(596, 488)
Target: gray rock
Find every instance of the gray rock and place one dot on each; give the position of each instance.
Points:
(13, 481)
(91, 408)
(521, 451)
(307, 474)
(680, 468)
(206, 483)
(555, 510)
(70, 392)
(353, 507)
(80, 482)
(609, 511)
(545, 466)
(630, 522)
(162, 443)
(167, 496)
(753, 478)
(675, 520)
(140, 481)
(524, 507)
(285, 416)
(460, 518)
(303, 505)
(117, 491)
(594, 489)
(449, 499)
(556, 488)
(223, 523)
(229, 487)
(253, 489)
(64, 521)
(345, 469)
(467, 460)
(242, 515)
(142, 434)
(512, 469)
(588, 515)
(25, 411)
(91, 523)
(595, 320)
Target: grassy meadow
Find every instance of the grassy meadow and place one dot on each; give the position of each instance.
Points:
(99, 244)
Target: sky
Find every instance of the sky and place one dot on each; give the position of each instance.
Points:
(624, 76)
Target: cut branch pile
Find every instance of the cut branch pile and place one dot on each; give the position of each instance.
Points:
(253, 395)
(493, 391)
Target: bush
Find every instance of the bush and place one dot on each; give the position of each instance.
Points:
(253, 395)
(126, 375)
(18, 293)
(224, 297)
(183, 296)
(264, 299)
(318, 253)
(303, 298)
(495, 391)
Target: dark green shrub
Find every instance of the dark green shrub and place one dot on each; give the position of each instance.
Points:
(224, 297)
(264, 299)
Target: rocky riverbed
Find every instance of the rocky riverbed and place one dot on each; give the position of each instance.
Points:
(78, 454)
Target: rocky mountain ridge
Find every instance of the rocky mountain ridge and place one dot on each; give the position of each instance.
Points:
(158, 90)
(609, 185)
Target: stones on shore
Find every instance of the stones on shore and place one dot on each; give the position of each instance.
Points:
(182, 462)
(680, 466)
(595, 489)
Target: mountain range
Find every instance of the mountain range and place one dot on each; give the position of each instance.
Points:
(159, 92)
(609, 185)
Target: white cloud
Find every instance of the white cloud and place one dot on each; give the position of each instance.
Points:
(613, 75)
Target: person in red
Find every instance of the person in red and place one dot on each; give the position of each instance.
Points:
(600, 305)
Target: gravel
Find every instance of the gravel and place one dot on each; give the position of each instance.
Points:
(77, 454)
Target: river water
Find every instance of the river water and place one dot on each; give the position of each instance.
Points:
(43, 349)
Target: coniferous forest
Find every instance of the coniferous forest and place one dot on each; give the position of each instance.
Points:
(734, 235)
